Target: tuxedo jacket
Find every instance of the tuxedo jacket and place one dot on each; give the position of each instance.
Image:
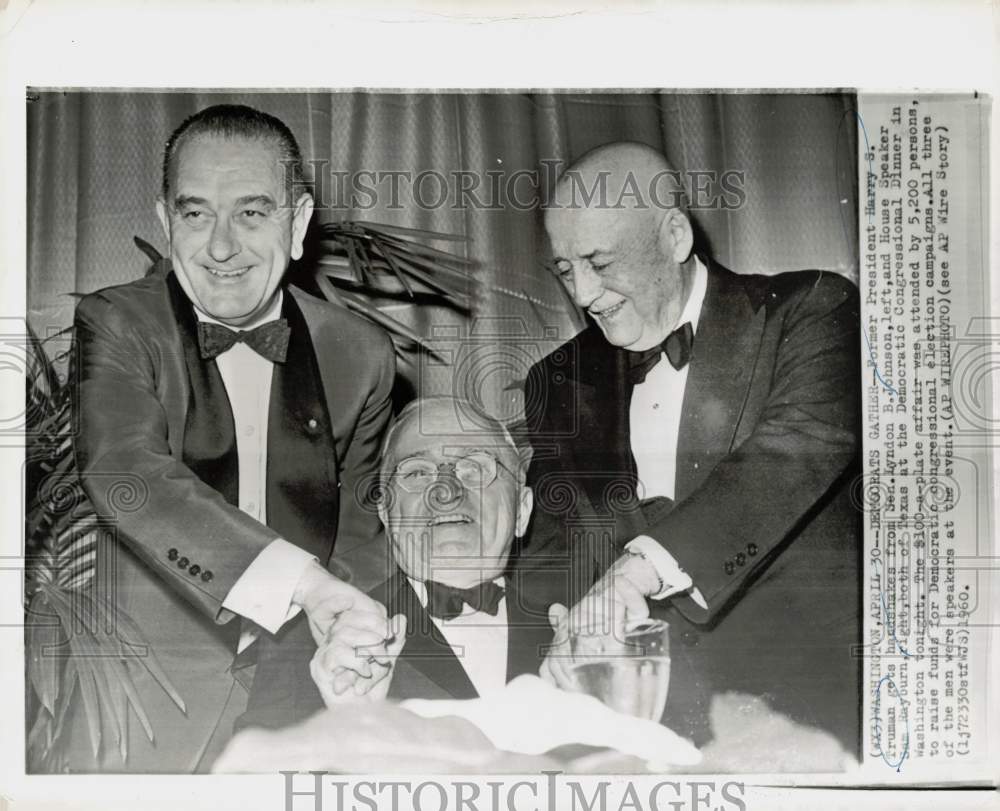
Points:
(283, 691)
(175, 544)
(762, 517)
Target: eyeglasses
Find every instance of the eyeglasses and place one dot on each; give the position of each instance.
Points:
(475, 471)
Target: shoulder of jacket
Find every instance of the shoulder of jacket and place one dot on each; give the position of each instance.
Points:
(344, 322)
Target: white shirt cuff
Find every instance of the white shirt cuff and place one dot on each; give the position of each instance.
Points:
(263, 593)
(675, 580)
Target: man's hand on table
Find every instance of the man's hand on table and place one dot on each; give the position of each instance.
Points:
(601, 616)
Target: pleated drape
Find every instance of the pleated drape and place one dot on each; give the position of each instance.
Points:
(94, 172)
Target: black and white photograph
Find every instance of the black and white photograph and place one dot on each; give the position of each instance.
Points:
(546, 402)
(501, 406)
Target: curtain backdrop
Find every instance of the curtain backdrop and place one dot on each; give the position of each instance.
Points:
(94, 172)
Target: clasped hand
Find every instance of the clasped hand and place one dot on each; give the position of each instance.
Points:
(357, 643)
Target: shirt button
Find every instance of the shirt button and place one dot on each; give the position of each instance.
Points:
(250, 507)
(248, 430)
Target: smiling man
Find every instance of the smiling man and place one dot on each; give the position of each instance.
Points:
(453, 502)
(694, 446)
(243, 416)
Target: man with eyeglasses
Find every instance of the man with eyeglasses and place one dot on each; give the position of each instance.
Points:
(453, 501)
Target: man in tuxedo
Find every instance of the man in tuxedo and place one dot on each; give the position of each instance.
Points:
(693, 452)
(453, 501)
(227, 425)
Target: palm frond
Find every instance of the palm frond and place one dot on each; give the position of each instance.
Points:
(410, 232)
(43, 671)
(151, 252)
(364, 261)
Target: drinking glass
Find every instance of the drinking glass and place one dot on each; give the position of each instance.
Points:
(630, 675)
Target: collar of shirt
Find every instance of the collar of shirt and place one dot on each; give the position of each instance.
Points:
(420, 589)
(272, 313)
(692, 307)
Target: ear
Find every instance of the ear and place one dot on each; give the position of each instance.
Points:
(164, 217)
(676, 236)
(525, 502)
(300, 222)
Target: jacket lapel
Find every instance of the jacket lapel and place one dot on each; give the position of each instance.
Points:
(602, 445)
(724, 355)
(426, 654)
(178, 351)
(302, 493)
(528, 633)
(209, 438)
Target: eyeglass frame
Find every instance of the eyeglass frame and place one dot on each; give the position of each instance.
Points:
(395, 476)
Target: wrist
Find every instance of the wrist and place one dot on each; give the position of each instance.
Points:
(313, 574)
(642, 573)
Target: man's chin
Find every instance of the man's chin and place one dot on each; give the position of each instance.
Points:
(617, 336)
(455, 545)
(233, 313)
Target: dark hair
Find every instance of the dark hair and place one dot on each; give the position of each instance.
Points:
(237, 121)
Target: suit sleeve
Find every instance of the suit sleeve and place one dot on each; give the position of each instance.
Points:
(756, 499)
(154, 502)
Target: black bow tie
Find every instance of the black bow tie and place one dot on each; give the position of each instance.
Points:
(677, 346)
(445, 602)
(269, 340)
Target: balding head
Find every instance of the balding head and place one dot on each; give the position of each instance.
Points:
(623, 176)
(621, 241)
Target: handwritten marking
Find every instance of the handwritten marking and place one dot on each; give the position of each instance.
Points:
(868, 155)
(871, 354)
(897, 765)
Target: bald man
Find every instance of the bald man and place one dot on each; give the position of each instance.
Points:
(706, 426)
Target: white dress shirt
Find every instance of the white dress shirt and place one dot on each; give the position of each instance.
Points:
(263, 593)
(478, 639)
(654, 423)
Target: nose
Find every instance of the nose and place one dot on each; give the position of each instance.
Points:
(587, 286)
(446, 491)
(222, 245)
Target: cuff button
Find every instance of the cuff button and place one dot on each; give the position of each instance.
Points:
(182, 563)
(207, 575)
(751, 549)
(172, 554)
(729, 567)
(194, 570)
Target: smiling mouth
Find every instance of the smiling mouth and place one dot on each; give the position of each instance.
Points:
(451, 518)
(609, 312)
(228, 274)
